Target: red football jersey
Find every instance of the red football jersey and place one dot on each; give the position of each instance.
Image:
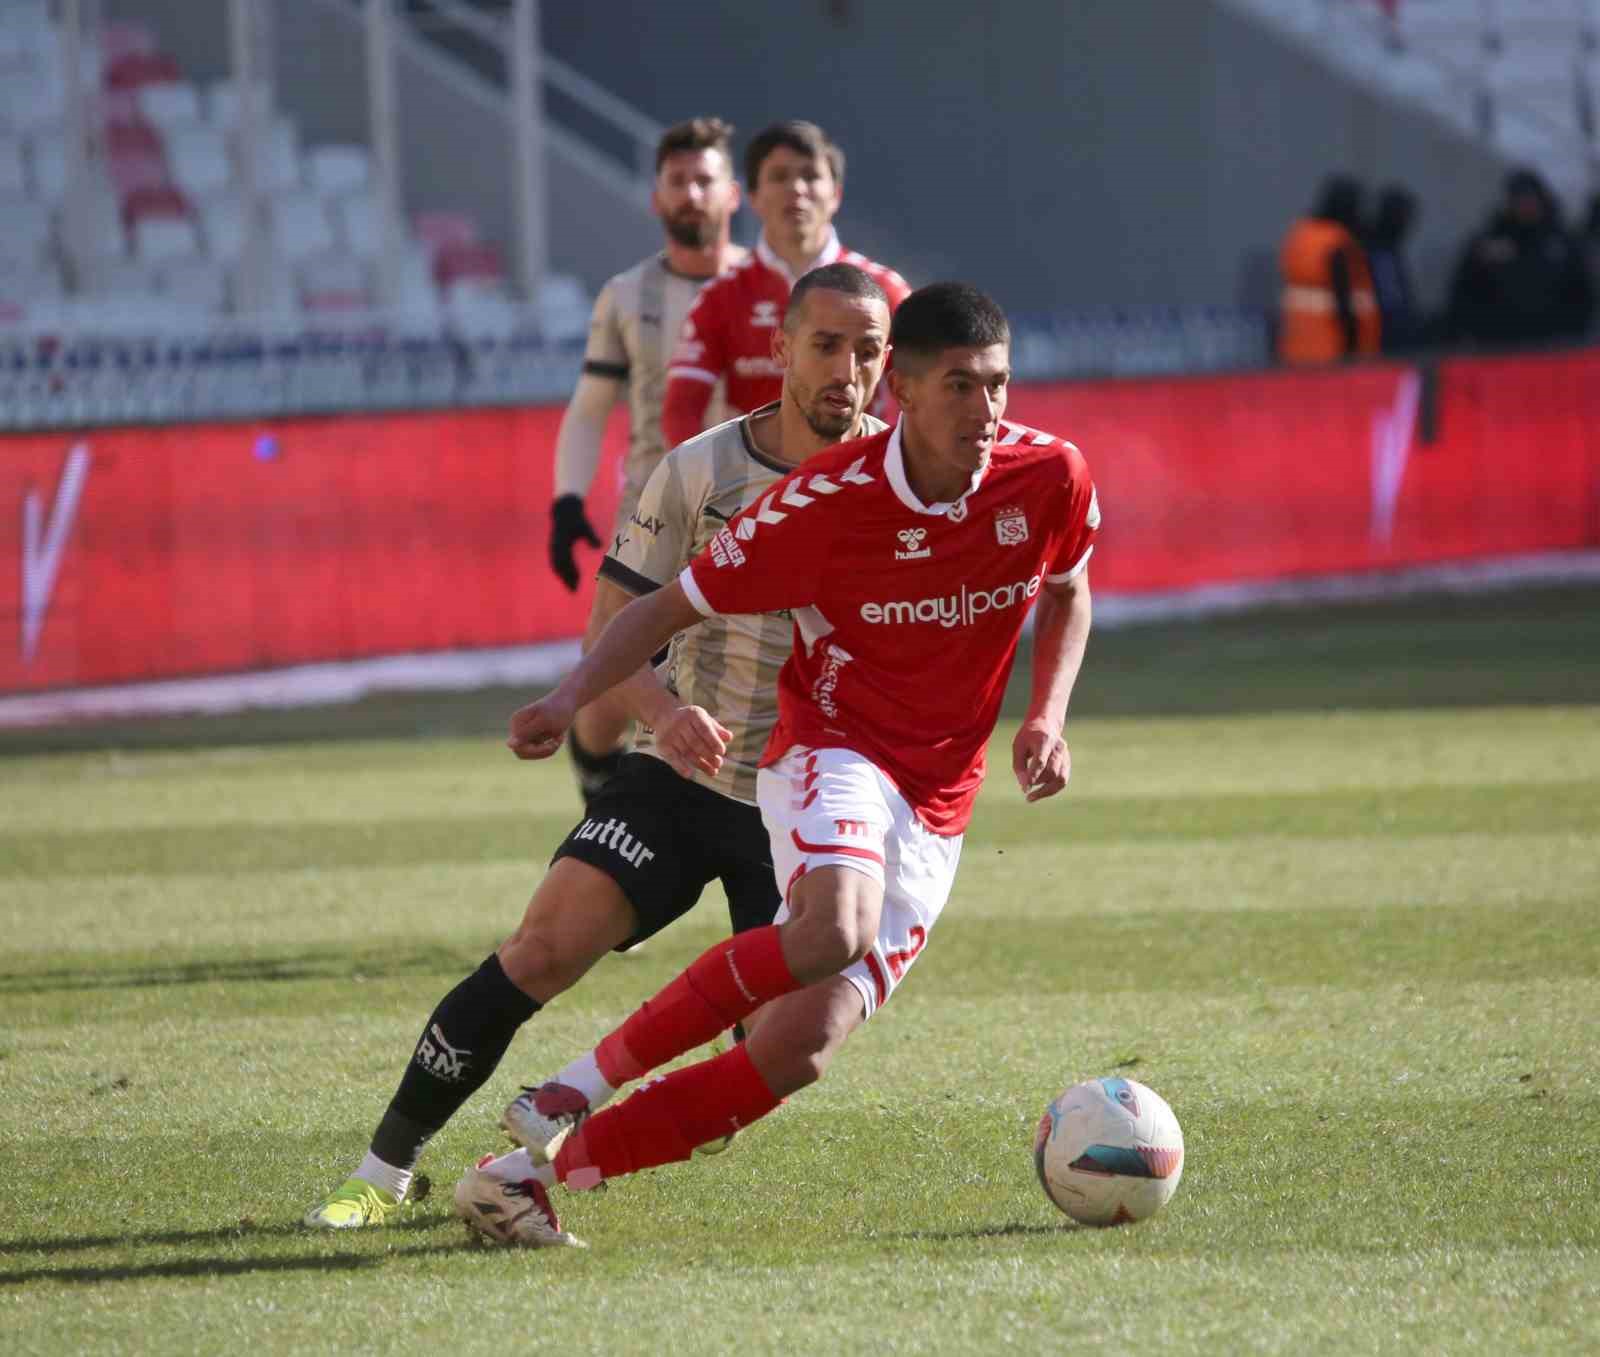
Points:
(728, 334)
(906, 614)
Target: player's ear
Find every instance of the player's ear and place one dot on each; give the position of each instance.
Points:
(781, 347)
(902, 388)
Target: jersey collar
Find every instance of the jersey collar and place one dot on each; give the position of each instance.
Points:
(831, 250)
(894, 467)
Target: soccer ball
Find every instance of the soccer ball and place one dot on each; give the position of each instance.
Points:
(1109, 1152)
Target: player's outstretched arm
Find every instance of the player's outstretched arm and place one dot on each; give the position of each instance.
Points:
(689, 738)
(634, 635)
(1039, 754)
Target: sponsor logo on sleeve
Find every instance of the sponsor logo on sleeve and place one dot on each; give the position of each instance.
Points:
(726, 551)
(650, 524)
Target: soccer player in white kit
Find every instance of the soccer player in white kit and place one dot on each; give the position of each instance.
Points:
(632, 333)
(909, 560)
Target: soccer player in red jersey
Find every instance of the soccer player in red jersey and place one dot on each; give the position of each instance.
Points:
(795, 177)
(909, 560)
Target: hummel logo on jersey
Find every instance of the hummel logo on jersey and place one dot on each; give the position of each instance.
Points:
(1010, 526)
(859, 829)
(953, 610)
(911, 540)
(765, 314)
(440, 1058)
(613, 834)
(725, 549)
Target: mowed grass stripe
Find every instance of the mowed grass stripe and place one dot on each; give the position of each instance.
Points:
(1133, 950)
(1506, 808)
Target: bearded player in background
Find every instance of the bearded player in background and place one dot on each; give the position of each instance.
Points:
(635, 324)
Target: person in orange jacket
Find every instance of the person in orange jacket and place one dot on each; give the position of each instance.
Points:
(1329, 306)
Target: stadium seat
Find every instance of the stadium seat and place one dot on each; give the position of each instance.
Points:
(474, 261)
(133, 70)
(137, 172)
(132, 136)
(195, 281)
(222, 226)
(335, 169)
(300, 226)
(157, 238)
(30, 102)
(334, 283)
(169, 106)
(27, 224)
(478, 312)
(108, 275)
(153, 201)
(358, 222)
(437, 229)
(223, 104)
(277, 164)
(198, 160)
(561, 306)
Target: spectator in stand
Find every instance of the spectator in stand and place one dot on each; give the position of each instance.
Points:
(1523, 278)
(1402, 322)
(1330, 311)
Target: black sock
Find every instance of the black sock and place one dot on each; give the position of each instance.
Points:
(593, 770)
(464, 1040)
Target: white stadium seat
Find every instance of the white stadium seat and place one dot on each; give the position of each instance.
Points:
(169, 106)
(476, 311)
(562, 308)
(277, 157)
(198, 160)
(338, 168)
(224, 104)
(357, 219)
(117, 275)
(300, 225)
(196, 281)
(27, 223)
(159, 238)
(47, 162)
(222, 226)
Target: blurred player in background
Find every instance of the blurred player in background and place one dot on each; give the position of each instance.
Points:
(909, 559)
(795, 176)
(681, 811)
(636, 321)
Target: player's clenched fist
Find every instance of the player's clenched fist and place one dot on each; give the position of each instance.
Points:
(1041, 761)
(537, 729)
(691, 739)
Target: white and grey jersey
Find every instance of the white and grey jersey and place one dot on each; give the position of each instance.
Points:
(632, 332)
(728, 665)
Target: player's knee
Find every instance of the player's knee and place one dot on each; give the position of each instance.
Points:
(824, 942)
(536, 962)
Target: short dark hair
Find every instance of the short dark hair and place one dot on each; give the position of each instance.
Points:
(695, 134)
(845, 278)
(798, 135)
(945, 316)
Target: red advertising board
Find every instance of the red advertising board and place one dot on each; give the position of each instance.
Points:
(203, 549)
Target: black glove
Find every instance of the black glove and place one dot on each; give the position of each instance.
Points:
(568, 526)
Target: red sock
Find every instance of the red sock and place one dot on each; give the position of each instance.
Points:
(726, 984)
(664, 1121)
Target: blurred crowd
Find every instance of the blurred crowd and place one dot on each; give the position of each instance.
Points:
(1525, 277)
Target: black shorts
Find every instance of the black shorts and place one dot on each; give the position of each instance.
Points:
(663, 839)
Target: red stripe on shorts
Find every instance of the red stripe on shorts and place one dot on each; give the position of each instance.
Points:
(879, 983)
(848, 850)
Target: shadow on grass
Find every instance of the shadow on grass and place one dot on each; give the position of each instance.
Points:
(410, 1221)
(215, 1266)
(219, 1267)
(329, 965)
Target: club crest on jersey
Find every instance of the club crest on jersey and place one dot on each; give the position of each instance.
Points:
(765, 314)
(1010, 526)
(911, 540)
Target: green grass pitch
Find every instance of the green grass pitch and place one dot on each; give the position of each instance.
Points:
(1328, 881)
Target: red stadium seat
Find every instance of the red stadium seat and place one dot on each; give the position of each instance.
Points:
(130, 71)
(474, 262)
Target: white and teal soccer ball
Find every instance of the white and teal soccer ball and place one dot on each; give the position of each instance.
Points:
(1109, 1152)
